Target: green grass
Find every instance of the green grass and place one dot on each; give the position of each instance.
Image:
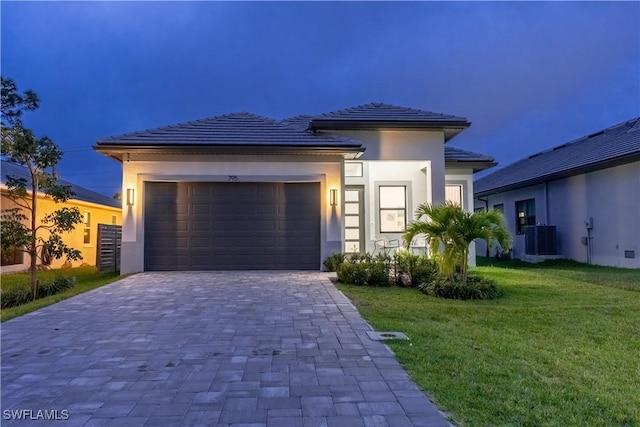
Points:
(561, 348)
(87, 279)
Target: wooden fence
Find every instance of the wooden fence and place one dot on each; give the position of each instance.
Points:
(109, 243)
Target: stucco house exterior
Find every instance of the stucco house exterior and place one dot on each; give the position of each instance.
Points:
(240, 191)
(96, 209)
(583, 195)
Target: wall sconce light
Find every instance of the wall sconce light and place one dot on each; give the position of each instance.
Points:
(130, 196)
(333, 197)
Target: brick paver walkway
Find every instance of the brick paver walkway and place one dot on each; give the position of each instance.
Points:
(206, 348)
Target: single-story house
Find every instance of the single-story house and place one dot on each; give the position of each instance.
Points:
(95, 208)
(240, 191)
(579, 200)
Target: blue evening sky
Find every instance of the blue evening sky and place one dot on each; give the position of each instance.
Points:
(528, 75)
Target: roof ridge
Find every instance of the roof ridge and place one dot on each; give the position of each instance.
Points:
(381, 106)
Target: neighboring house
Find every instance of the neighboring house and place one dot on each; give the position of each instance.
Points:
(95, 208)
(589, 189)
(240, 191)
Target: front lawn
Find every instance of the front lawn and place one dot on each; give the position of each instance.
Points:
(561, 348)
(87, 279)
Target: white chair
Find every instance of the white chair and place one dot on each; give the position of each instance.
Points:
(386, 245)
(419, 243)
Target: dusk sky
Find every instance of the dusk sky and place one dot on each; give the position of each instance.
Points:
(528, 75)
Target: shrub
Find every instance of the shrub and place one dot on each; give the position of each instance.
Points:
(20, 293)
(333, 261)
(15, 295)
(58, 284)
(478, 288)
(365, 270)
(411, 270)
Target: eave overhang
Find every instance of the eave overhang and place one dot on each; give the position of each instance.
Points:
(618, 161)
(121, 151)
(475, 165)
(450, 128)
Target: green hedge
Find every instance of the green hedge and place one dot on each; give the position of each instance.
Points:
(407, 269)
(20, 293)
(476, 288)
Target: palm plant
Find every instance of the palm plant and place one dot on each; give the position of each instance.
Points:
(449, 231)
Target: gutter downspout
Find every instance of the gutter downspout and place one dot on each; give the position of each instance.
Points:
(486, 207)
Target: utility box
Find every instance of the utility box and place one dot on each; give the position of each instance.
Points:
(540, 240)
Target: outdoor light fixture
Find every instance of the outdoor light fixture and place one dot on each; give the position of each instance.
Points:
(130, 196)
(333, 197)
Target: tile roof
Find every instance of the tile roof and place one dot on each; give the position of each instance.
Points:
(377, 111)
(478, 162)
(236, 129)
(617, 144)
(379, 115)
(80, 193)
(302, 121)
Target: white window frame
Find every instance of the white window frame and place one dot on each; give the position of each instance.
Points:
(406, 185)
(86, 226)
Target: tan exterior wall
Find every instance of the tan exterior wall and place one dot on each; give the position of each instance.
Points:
(100, 214)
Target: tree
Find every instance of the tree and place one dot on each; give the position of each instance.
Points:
(449, 231)
(19, 227)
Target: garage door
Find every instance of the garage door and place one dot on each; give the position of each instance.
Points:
(232, 226)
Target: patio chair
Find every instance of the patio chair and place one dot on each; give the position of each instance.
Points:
(386, 245)
(419, 243)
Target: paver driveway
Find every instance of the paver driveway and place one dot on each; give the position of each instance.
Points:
(206, 348)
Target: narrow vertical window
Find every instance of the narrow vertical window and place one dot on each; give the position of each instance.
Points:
(453, 194)
(393, 208)
(525, 214)
(86, 221)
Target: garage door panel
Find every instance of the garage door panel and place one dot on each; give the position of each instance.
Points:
(214, 226)
(200, 209)
(199, 191)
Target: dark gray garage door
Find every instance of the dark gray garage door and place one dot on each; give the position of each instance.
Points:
(232, 226)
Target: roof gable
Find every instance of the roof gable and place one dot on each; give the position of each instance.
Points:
(615, 145)
(80, 193)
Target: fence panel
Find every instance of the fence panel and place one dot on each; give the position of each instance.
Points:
(109, 243)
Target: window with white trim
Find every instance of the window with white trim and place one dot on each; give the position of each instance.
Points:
(393, 208)
(453, 194)
(86, 222)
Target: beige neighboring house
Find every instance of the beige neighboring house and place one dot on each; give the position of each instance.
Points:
(95, 208)
(579, 200)
(240, 191)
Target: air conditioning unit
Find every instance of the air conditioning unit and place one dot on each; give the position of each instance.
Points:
(540, 240)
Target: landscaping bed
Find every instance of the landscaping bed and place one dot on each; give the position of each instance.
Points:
(56, 285)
